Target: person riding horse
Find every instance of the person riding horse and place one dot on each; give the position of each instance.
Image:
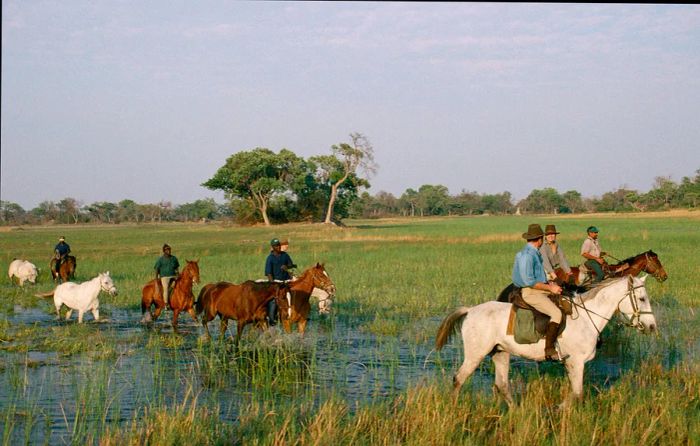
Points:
(529, 275)
(60, 252)
(591, 251)
(553, 256)
(166, 269)
(277, 266)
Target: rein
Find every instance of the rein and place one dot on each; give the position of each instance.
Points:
(636, 313)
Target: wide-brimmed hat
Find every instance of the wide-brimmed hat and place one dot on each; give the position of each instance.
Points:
(592, 229)
(550, 229)
(534, 231)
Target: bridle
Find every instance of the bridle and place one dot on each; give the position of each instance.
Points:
(324, 281)
(105, 289)
(634, 321)
(650, 261)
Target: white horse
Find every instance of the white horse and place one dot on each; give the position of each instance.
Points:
(81, 297)
(483, 330)
(23, 270)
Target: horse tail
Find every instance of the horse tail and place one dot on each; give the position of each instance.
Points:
(449, 326)
(199, 303)
(45, 295)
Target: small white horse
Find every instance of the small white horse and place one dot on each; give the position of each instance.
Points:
(23, 270)
(81, 297)
(484, 326)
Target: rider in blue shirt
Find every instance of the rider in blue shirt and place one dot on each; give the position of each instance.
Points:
(528, 274)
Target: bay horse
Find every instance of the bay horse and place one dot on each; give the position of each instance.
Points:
(295, 307)
(483, 328)
(647, 261)
(81, 297)
(245, 302)
(66, 270)
(180, 299)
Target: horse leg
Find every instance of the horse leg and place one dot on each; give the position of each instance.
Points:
(193, 314)
(96, 314)
(176, 313)
(287, 325)
(223, 327)
(502, 362)
(575, 371)
(464, 372)
(301, 325)
(239, 331)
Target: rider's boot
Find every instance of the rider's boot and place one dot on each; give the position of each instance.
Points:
(550, 352)
(272, 313)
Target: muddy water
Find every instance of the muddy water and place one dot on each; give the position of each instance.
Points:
(51, 391)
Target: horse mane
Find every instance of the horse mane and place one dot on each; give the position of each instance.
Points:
(597, 288)
(631, 259)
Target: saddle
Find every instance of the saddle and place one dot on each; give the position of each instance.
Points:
(526, 324)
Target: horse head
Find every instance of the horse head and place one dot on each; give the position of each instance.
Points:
(107, 285)
(322, 280)
(192, 269)
(654, 267)
(635, 306)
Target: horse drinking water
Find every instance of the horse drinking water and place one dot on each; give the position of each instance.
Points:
(81, 297)
(484, 331)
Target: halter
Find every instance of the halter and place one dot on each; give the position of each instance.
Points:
(107, 290)
(326, 284)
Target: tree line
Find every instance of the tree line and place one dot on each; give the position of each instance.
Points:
(263, 186)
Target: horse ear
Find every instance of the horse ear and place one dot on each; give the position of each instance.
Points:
(644, 278)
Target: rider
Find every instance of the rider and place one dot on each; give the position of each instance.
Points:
(553, 256)
(166, 271)
(277, 267)
(61, 251)
(591, 251)
(528, 274)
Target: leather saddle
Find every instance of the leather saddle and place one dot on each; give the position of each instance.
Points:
(527, 324)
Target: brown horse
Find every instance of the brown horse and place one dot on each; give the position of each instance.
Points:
(66, 270)
(180, 299)
(647, 261)
(245, 302)
(295, 307)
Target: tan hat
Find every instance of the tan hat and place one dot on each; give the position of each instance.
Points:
(534, 231)
(550, 229)
(61, 239)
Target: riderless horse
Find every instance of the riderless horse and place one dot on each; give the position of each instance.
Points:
(484, 331)
(245, 302)
(81, 297)
(180, 299)
(295, 307)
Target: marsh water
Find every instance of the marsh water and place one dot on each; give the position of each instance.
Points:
(55, 394)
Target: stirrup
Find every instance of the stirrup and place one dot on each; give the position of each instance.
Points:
(556, 357)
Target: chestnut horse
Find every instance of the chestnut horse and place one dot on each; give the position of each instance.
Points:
(245, 302)
(180, 299)
(647, 261)
(295, 307)
(66, 271)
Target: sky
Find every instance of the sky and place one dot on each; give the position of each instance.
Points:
(113, 100)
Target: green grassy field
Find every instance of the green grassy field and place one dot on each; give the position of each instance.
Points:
(396, 280)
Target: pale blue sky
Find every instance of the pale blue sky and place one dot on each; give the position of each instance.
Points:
(108, 100)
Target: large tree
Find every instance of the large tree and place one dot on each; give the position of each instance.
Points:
(255, 176)
(344, 164)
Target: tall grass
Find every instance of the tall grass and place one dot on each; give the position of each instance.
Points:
(364, 375)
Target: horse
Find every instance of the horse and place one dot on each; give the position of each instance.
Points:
(295, 307)
(66, 271)
(647, 261)
(23, 270)
(81, 297)
(180, 299)
(483, 328)
(245, 302)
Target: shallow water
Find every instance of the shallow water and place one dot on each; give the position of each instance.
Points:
(51, 391)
